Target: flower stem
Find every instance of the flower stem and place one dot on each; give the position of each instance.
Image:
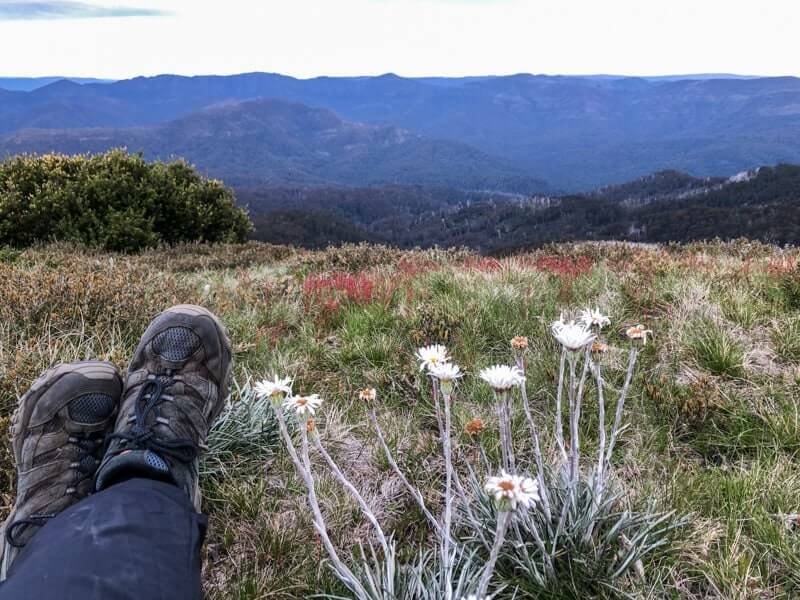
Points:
(304, 469)
(618, 416)
(354, 493)
(503, 518)
(576, 440)
(537, 450)
(601, 416)
(501, 405)
(436, 404)
(415, 493)
(448, 499)
(573, 424)
(559, 395)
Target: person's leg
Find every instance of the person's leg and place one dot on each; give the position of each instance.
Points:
(138, 539)
(141, 531)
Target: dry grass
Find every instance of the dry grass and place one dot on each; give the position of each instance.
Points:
(714, 421)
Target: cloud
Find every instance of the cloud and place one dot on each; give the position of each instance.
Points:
(31, 11)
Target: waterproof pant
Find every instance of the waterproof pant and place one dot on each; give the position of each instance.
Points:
(137, 540)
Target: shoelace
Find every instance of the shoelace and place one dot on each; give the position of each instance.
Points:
(142, 436)
(13, 529)
(87, 446)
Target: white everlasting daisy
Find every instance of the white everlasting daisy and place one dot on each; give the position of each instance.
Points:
(303, 405)
(274, 390)
(510, 491)
(573, 336)
(446, 371)
(447, 374)
(594, 318)
(638, 332)
(430, 356)
(502, 377)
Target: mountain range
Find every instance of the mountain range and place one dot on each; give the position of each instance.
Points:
(574, 133)
(273, 142)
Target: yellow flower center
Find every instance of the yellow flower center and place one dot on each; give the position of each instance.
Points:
(506, 486)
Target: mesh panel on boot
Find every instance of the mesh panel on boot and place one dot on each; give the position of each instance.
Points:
(88, 463)
(91, 408)
(176, 343)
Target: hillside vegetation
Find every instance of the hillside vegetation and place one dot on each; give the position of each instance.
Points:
(713, 432)
(668, 206)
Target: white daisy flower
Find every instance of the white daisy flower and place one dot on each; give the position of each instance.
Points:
(502, 377)
(638, 332)
(430, 356)
(594, 318)
(275, 389)
(446, 371)
(303, 405)
(510, 491)
(572, 336)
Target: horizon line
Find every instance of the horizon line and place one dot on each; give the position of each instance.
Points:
(609, 75)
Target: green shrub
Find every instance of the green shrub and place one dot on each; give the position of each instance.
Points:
(116, 201)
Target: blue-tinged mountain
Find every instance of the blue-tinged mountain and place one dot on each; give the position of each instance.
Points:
(272, 142)
(27, 84)
(578, 133)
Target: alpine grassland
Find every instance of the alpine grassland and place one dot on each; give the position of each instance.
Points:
(432, 424)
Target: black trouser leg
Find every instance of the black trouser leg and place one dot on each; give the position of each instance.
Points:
(137, 540)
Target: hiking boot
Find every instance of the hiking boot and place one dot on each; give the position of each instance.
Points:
(176, 387)
(57, 435)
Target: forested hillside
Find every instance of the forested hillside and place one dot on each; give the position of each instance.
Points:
(665, 207)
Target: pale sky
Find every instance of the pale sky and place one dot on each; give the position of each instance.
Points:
(305, 38)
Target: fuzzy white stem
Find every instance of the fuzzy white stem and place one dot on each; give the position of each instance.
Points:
(618, 416)
(304, 469)
(601, 416)
(587, 361)
(503, 518)
(512, 459)
(436, 404)
(537, 450)
(501, 420)
(354, 493)
(415, 493)
(559, 395)
(448, 499)
(573, 424)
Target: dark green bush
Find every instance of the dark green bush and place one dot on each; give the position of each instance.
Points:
(117, 201)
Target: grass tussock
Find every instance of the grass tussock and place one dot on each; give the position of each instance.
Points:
(713, 429)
